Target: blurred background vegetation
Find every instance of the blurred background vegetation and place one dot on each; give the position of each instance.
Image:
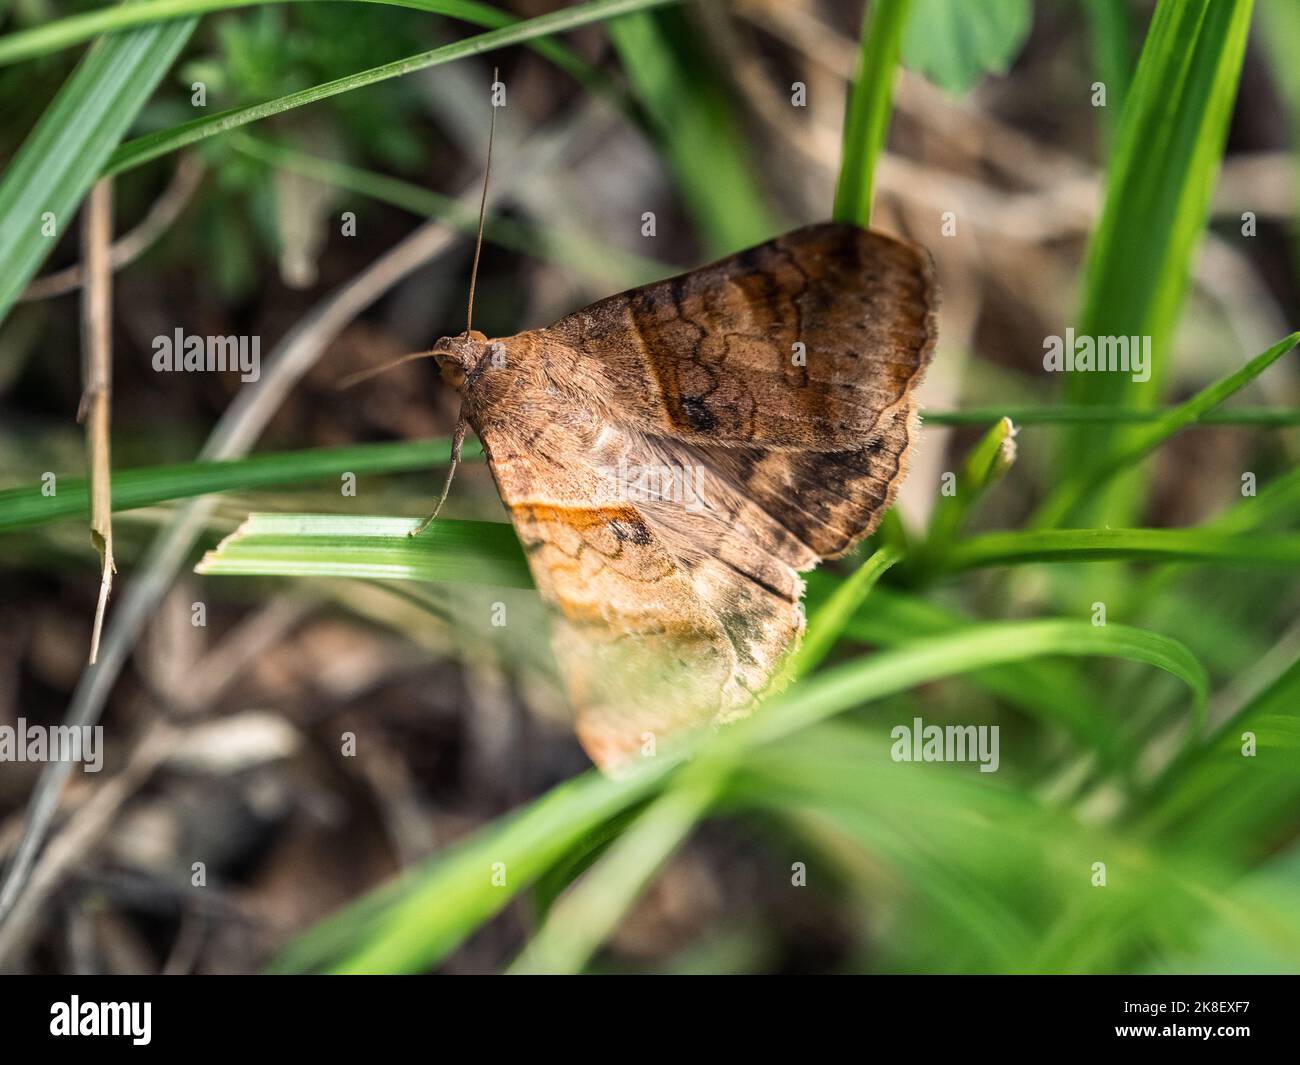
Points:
(309, 173)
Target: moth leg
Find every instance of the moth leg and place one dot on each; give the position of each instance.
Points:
(457, 442)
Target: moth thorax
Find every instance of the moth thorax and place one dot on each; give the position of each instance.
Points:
(458, 355)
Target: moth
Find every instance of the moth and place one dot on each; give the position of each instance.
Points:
(674, 456)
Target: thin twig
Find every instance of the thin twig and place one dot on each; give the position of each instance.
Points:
(97, 378)
(165, 210)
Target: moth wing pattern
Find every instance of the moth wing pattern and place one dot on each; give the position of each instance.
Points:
(676, 600)
(671, 611)
(812, 341)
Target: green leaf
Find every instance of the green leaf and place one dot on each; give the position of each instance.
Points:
(954, 43)
(871, 98)
(690, 107)
(986, 464)
(1064, 414)
(27, 505)
(1141, 441)
(992, 643)
(61, 157)
(586, 916)
(371, 548)
(153, 145)
(1134, 545)
(1110, 37)
(831, 618)
(1156, 203)
(414, 923)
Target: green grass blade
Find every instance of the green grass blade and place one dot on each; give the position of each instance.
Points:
(1110, 35)
(371, 548)
(153, 145)
(1278, 502)
(585, 917)
(992, 643)
(1140, 442)
(1225, 794)
(65, 32)
(1156, 203)
(986, 464)
(413, 924)
(827, 625)
(1065, 415)
(1125, 545)
(26, 505)
(1049, 691)
(870, 104)
(690, 108)
(61, 157)
(306, 545)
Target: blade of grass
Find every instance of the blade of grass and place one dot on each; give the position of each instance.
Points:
(153, 145)
(1110, 37)
(986, 464)
(61, 157)
(1131, 545)
(1219, 790)
(870, 104)
(676, 81)
(1141, 441)
(425, 916)
(589, 913)
(27, 505)
(416, 921)
(835, 613)
(1278, 501)
(1049, 691)
(365, 547)
(65, 32)
(1247, 417)
(992, 643)
(1157, 196)
(371, 548)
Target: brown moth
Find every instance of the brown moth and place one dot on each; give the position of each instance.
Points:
(770, 394)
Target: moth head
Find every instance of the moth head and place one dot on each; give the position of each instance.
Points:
(458, 355)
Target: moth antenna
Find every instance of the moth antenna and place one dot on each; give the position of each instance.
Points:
(482, 208)
(457, 441)
(375, 371)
